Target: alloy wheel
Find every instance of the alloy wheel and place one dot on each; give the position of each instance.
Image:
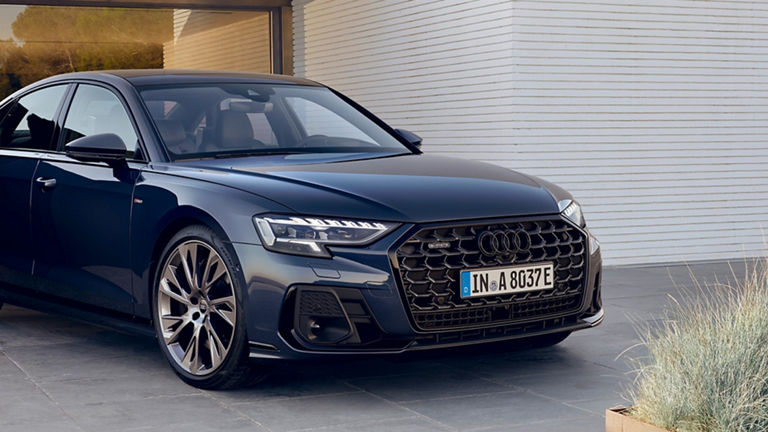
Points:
(196, 308)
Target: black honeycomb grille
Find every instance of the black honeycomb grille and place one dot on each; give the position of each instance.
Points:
(319, 303)
(430, 278)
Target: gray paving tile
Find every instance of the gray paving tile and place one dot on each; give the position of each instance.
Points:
(117, 387)
(16, 385)
(602, 345)
(62, 425)
(500, 409)
(7, 367)
(23, 404)
(376, 367)
(322, 411)
(585, 423)
(598, 406)
(569, 386)
(413, 387)
(525, 363)
(409, 424)
(284, 385)
(623, 283)
(183, 413)
(74, 359)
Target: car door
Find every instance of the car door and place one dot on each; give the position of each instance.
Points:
(27, 127)
(81, 210)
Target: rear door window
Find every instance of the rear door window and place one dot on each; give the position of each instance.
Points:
(30, 123)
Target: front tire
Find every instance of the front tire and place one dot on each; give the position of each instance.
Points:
(198, 312)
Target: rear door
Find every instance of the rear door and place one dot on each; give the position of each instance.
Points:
(81, 210)
(27, 129)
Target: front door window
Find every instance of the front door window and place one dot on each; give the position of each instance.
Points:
(96, 110)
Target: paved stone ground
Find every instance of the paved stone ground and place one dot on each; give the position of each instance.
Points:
(61, 375)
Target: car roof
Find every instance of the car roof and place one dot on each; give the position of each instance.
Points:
(142, 77)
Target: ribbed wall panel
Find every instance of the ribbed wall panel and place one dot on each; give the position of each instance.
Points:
(654, 114)
(219, 40)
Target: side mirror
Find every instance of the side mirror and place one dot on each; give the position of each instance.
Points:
(410, 137)
(105, 147)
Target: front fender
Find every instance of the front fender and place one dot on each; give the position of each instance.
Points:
(164, 203)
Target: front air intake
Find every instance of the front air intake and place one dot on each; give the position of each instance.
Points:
(320, 318)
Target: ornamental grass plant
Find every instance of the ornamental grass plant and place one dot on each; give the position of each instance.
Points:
(706, 367)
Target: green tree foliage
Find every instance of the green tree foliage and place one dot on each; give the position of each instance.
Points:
(53, 40)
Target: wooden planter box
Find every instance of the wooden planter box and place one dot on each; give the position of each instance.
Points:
(617, 421)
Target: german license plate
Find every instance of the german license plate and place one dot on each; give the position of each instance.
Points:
(507, 280)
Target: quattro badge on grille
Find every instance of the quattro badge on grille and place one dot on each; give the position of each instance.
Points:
(438, 245)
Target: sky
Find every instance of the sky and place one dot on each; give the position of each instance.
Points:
(8, 15)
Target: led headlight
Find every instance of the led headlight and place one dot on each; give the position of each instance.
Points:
(301, 235)
(572, 211)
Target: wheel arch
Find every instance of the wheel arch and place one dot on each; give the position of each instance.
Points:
(173, 223)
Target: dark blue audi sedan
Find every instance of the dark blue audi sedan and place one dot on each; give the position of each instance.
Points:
(242, 217)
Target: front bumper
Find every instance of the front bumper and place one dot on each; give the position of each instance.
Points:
(368, 288)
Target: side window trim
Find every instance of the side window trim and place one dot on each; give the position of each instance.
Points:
(61, 114)
(140, 147)
(59, 148)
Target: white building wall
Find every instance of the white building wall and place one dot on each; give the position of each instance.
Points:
(653, 114)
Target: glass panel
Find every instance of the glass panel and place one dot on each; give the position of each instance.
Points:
(222, 120)
(96, 110)
(319, 120)
(40, 41)
(29, 124)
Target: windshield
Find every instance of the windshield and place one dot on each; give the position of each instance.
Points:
(234, 120)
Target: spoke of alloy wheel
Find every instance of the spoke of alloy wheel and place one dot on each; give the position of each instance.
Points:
(214, 345)
(169, 335)
(170, 275)
(228, 301)
(211, 274)
(165, 289)
(191, 358)
(226, 315)
(189, 262)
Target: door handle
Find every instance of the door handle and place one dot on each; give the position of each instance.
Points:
(46, 183)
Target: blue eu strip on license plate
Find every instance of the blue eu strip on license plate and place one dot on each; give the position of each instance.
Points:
(507, 280)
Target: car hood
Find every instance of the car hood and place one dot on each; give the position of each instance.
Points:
(405, 188)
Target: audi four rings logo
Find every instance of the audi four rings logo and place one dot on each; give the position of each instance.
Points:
(503, 242)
